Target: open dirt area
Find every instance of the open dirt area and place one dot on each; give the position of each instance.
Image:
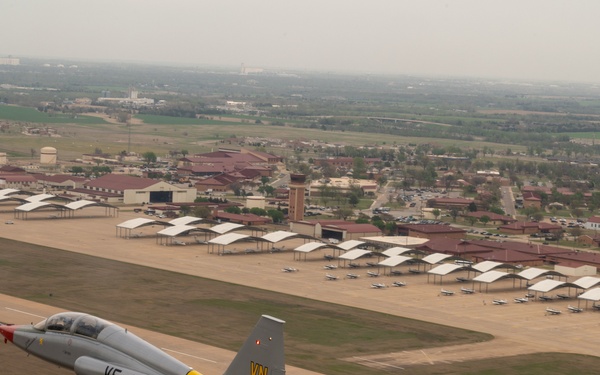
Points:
(517, 328)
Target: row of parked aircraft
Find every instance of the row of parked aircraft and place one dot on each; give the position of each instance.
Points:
(382, 285)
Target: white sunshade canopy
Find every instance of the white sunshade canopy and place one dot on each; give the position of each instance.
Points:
(591, 295)
(351, 244)
(8, 191)
(277, 236)
(486, 266)
(493, 276)
(229, 238)
(445, 269)
(136, 223)
(532, 273)
(225, 227)
(354, 254)
(83, 203)
(435, 258)
(39, 197)
(176, 230)
(398, 250)
(310, 246)
(28, 207)
(549, 285)
(394, 261)
(587, 282)
(186, 220)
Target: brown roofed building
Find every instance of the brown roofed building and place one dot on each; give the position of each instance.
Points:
(529, 228)
(60, 181)
(245, 219)
(18, 181)
(509, 256)
(337, 229)
(430, 231)
(531, 199)
(448, 203)
(220, 183)
(495, 219)
(135, 190)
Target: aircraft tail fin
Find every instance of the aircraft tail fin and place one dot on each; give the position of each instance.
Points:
(263, 352)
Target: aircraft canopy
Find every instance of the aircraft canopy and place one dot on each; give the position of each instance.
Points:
(73, 323)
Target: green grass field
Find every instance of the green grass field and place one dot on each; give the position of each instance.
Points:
(24, 114)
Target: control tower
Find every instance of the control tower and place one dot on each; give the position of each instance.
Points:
(296, 207)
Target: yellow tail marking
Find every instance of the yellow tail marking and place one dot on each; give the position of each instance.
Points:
(258, 369)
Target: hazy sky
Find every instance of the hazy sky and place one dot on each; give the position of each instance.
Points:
(524, 39)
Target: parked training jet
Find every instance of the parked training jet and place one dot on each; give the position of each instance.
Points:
(552, 311)
(92, 346)
(378, 285)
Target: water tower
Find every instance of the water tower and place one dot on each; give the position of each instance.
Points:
(48, 155)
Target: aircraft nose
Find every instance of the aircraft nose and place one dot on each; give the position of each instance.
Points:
(8, 332)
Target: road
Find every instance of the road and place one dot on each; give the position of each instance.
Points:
(508, 201)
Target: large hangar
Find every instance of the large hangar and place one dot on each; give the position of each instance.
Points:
(136, 190)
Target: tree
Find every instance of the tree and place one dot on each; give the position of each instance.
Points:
(358, 167)
(202, 212)
(276, 216)
(123, 116)
(258, 211)
(76, 169)
(381, 181)
(576, 232)
(497, 210)
(378, 222)
(149, 157)
(233, 210)
(471, 219)
(484, 219)
(343, 213)
(353, 200)
(577, 212)
(436, 213)
(391, 228)
(454, 213)
(538, 216)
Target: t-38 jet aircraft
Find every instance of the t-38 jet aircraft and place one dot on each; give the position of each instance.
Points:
(93, 346)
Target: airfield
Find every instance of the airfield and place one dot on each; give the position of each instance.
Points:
(517, 328)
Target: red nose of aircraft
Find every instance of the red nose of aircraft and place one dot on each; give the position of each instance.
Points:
(8, 332)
